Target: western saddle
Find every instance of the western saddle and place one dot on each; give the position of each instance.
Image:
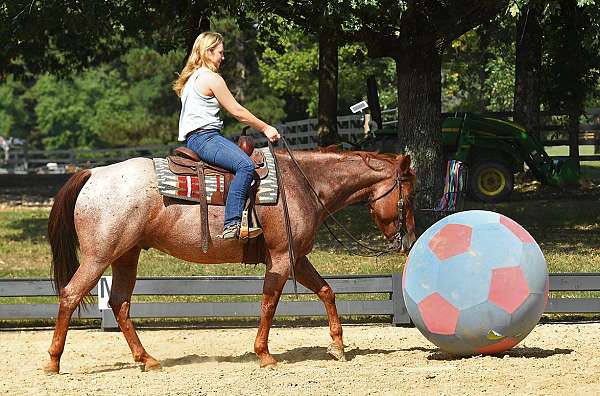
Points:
(186, 162)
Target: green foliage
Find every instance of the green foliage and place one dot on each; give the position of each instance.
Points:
(14, 118)
(499, 86)
(127, 103)
(290, 62)
(293, 67)
(478, 70)
(241, 72)
(572, 59)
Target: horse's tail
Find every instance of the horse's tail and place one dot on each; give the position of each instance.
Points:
(61, 230)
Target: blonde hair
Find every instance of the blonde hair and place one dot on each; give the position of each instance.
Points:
(206, 41)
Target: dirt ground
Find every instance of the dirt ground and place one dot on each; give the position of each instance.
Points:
(381, 359)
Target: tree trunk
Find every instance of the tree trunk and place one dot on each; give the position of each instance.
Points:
(573, 128)
(419, 124)
(328, 88)
(239, 82)
(486, 31)
(196, 22)
(528, 65)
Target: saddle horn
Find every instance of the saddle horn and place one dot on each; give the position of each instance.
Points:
(246, 142)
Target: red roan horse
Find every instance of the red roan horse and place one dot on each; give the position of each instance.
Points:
(111, 213)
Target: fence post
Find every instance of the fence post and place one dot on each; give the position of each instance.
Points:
(108, 321)
(25, 158)
(400, 313)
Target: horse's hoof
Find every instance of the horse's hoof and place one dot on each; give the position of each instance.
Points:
(51, 368)
(268, 362)
(336, 352)
(152, 365)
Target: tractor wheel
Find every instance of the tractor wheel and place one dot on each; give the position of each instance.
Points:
(491, 181)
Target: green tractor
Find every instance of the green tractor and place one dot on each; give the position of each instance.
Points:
(495, 150)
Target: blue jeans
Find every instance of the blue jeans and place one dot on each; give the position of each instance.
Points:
(214, 148)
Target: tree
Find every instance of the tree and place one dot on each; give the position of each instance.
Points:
(572, 69)
(63, 36)
(415, 34)
(528, 67)
(322, 19)
(15, 120)
(289, 67)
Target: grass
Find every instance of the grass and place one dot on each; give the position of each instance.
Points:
(567, 230)
(24, 251)
(589, 169)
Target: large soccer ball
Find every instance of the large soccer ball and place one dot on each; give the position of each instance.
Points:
(475, 282)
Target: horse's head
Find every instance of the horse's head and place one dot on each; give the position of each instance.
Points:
(391, 205)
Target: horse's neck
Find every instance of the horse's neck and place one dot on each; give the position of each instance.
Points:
(338, 180)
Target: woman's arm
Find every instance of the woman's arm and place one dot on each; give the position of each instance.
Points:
(220, 90)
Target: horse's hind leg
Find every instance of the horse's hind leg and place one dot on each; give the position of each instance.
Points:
(84, 279)
(307, 275)
(124, 271)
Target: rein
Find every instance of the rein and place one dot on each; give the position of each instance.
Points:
(375, 252)
(286, 215)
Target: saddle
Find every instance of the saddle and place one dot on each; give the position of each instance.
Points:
(186, 162)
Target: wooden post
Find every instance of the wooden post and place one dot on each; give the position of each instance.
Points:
(400, 314)
(109, 323)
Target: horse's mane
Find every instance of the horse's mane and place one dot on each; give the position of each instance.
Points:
(366, 156)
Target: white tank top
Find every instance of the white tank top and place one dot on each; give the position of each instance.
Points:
(197, 111)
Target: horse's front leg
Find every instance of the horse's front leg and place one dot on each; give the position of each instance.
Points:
(308, 276)
(275, 278)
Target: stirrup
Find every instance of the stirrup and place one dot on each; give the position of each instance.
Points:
(250, 232)
(237, 232)
(247, 232)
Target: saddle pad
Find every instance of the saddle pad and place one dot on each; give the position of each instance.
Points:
(186, 187)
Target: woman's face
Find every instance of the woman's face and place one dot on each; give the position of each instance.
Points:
(216, 55)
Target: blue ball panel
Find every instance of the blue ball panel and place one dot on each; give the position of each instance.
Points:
(474, 325)
(473, 218)
(421, 273)
(464, 280)
(495, 246)
(534, 268)
(524, 319)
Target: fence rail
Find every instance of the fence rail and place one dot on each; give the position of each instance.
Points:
(357, 286)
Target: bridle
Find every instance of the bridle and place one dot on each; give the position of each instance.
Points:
(401, 229)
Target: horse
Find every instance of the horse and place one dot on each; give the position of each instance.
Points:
(111, 213)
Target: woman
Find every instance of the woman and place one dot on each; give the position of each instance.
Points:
(203, 91)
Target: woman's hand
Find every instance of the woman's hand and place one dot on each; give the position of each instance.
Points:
(271, 133)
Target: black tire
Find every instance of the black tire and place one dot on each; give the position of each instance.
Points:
(491, 181)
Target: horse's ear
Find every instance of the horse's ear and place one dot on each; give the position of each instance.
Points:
(403, 162)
